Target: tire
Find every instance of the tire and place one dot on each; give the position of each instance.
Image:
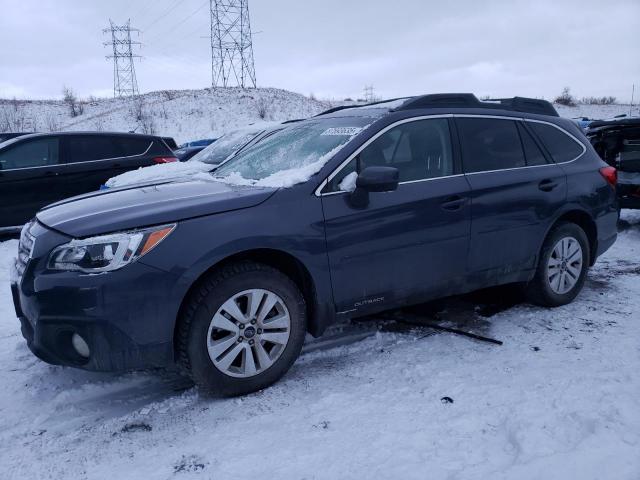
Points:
(206, 339)
(549, 291)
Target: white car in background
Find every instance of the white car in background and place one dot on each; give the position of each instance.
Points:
(226, 147)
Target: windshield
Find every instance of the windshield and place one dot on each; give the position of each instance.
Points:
(293, 154)
(226, 145)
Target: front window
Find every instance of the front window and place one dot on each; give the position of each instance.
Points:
(293, 154)
(420, 149)
(38, 152)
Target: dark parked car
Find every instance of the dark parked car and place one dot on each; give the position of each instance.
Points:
(345, 214)
(170, 142)
(39, 169)
(617, 142)
(185, 153)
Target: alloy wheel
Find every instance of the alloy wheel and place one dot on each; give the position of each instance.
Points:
(248, 333)
(565, 265)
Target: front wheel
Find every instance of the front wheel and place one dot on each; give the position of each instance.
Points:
(562, 267)
(242, 329)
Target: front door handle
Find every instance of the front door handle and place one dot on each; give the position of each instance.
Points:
(547, 185)
(455, 202)
(50, 174)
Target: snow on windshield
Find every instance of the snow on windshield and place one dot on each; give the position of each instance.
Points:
(228, 144)
(292, 155)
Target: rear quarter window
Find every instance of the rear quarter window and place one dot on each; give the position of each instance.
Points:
(133, 146)
(560, 146)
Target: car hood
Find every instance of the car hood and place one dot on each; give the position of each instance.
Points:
(131, 207)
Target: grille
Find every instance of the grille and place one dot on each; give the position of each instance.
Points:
(25, 248)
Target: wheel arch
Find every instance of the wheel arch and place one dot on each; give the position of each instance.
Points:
(278, 259)
(585, 221)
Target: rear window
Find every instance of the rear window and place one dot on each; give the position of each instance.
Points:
(132, 146)
(560, 146)
(85, 148)
(490, 144)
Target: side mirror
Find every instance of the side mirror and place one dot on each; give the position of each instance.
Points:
(374, 179)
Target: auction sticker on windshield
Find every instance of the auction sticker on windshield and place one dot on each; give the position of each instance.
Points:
(342, 131)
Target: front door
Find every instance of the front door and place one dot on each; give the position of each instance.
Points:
(31, 177)
(407, 244)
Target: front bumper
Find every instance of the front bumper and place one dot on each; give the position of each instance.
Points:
(126, 317)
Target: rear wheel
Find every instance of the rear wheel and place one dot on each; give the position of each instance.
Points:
(562, 267)
(242, 329)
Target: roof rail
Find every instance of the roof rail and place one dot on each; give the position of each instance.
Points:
(469, 100)
(344, 107)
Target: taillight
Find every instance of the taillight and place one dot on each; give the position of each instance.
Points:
(164, 159)
(610, 174)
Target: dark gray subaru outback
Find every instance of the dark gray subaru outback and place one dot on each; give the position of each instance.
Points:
(354, 211)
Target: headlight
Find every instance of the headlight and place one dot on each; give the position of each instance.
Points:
(106, 252)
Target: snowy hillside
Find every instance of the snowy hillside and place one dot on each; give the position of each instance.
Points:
(597, 111)
(192, 114)
(182, 114)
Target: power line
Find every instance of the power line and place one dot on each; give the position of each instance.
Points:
(164, 14)
(124, 72)
(145, 7)
(176, 25)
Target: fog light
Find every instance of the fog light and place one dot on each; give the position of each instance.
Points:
(80, 345)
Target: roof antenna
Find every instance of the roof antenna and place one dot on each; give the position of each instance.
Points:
(633, 90)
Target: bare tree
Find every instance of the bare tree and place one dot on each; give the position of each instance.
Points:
(51, 123)
(262, 107)
(565, 98)
(69, 97)
(12, 118)
(599, 100)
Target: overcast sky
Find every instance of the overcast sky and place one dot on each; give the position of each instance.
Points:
(333, 48)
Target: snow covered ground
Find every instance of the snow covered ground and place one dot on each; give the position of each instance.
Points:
(559, 400)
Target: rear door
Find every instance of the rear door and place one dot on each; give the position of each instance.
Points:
(406, 244)
(31, 177)
(516, 191)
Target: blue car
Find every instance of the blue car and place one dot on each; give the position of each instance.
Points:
(198, 143)
(349, 213)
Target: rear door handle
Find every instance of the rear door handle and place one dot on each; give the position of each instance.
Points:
(455, 202)
(547, 185)
(50, 173)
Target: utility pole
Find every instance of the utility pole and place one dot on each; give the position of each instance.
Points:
(369, 96)
(231, 44)
(125, 83)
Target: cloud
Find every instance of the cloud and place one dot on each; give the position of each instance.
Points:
(334, 48)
